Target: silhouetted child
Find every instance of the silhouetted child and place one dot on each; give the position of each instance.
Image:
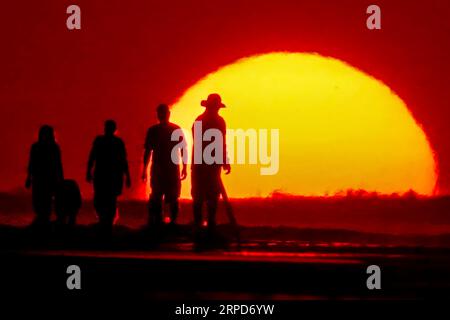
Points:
(67, 203)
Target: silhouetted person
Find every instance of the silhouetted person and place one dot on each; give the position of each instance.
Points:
(206, 180)
(165, 178)
(45, 172)
(109, 158)
(67, 203)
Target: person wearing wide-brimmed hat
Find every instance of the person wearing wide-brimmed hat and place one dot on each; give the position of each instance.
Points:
(206, 183)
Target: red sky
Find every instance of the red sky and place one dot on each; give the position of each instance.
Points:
(131, 55)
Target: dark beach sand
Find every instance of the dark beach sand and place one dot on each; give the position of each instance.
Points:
(317, 265)
(291, 249)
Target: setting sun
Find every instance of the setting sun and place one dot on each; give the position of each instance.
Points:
(339, 128)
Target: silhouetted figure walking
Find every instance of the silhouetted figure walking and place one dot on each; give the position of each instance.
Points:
(165, 179)
(109, 158)
(206, 181)
(45, 172)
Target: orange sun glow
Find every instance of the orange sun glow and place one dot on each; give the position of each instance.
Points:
(339, 128)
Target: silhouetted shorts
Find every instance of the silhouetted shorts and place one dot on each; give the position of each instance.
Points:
(67, 198)
(169, 188)
(206, 184)
(108, 183)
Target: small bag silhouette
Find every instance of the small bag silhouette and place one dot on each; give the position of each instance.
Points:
(67, 202)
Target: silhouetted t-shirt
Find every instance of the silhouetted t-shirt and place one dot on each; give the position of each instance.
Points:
(45, 164)
(206, 181)
(159, 142)
(208, 121)
(110, 158)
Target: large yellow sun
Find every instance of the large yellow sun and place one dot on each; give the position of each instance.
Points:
(339, 128)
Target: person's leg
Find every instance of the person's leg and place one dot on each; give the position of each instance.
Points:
(99, 206)
(212, 197)
(171, 196)
(155, 209)
(112, 210)
(106, 209)
(72, 219)
(60, 220)
(174, 209)
(103, 206)
(60, 210)
(197, 198)
(211, 204)
(197, 206)
(42, 205)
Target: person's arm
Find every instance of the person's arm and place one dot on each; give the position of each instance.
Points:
(126, 168)
(91, 161)
(184, 157)
(226, 162)
(78, 200)
(29, 169)
(59, 166)
(147, 155)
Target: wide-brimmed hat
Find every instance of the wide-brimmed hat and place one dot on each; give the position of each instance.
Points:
(214, 100)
